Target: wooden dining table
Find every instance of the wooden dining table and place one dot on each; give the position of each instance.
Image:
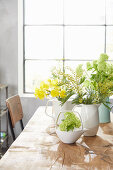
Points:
(39, 148)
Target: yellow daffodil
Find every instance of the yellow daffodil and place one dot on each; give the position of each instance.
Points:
(55, 92)
(44, 85)
(39, 93)
(54, 82)
(49, 80)
(63, 93)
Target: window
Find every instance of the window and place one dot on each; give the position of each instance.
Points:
(76, 31)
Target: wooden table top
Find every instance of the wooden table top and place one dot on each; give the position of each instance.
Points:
(38, 148)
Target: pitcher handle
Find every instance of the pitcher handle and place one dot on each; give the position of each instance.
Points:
(80, 119)
(78, 113)
(47, 107)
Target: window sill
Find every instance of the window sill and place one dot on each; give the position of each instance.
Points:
(27, 95)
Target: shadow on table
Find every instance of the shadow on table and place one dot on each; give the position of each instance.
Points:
(88, 152)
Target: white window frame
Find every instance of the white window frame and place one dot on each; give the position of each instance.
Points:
(21, 51)
(20, 47)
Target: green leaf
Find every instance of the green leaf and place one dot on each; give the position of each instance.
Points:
(54, 75)
(71, 127)
(107, 106)
(89, 66)
(82, 79)
(86, 83)
(108, 102)
(95, 64)
(79, 70)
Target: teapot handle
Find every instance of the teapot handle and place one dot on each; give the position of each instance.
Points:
(47, 107)
(70, 111)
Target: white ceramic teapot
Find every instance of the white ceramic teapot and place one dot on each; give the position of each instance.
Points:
(70, 136)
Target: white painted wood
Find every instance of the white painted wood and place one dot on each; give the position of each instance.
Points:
(20, 48)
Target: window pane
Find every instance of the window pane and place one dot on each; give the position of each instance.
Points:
(109, 42)
(74, 64)
(84, 43)
(43, 12)
(44, 42)
(36, 71)
(109, 11)
(84, 11)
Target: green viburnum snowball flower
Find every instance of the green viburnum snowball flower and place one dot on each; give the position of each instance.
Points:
(70, 122)
(103, 57)
(102, 62)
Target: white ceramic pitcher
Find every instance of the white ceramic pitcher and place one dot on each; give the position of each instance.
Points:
(90, 117)
(57, 108)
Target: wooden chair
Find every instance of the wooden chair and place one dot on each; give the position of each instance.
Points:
(15, 113)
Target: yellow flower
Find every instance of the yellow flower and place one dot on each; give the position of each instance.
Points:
(49, 80)
(44, 85)
(63, 93)
(54, 82)
(55, 92)
(39, 93)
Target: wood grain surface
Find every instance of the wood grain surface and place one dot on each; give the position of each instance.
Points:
(39, 148)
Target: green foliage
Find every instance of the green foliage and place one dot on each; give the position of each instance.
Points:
(89, 67)
(82, 79)
(105, 104)
(91, 85)
(98, 83)
(70, 122)
(79, 70)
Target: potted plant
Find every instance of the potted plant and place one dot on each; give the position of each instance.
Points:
(70, 127)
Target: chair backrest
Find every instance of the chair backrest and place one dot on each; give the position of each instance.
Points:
(15, 109)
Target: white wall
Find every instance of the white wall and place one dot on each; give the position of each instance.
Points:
(8, 44)
(9, 56)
